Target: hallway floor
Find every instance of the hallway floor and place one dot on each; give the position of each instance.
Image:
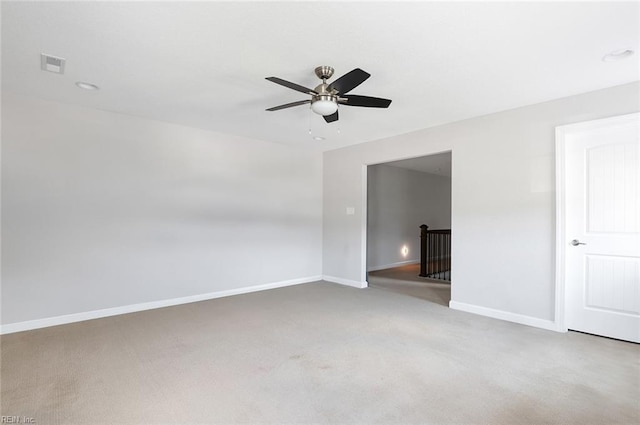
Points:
(405, 280)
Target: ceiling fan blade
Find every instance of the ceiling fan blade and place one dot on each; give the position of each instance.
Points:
(331, 118)
(289, 105)
(291, 85)
(366, 101)
(349, 81)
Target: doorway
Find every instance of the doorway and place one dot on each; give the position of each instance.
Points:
(401, 196)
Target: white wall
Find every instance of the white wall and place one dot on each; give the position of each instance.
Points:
(502, 199)
(101, 210)
(399, 201)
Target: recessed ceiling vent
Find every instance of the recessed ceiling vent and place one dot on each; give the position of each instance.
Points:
(52, 63)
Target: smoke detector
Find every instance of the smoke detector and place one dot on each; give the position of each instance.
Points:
(52, 63)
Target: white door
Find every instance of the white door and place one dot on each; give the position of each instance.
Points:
(601, 238)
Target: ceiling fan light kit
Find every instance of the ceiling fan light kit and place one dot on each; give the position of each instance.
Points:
(324, 104)
(326, 97)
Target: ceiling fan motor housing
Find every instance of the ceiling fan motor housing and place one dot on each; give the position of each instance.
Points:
(325, 102)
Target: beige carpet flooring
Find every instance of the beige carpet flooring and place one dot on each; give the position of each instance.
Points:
(318, 353)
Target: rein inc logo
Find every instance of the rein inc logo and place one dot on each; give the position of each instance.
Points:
(17, 420)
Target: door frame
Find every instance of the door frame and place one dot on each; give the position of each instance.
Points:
(563, 133)
(365, 208)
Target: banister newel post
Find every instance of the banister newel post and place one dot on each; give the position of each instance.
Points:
(423, 250)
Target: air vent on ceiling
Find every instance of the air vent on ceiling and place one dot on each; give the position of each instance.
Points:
(52, 63)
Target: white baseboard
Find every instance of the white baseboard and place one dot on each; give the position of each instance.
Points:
(347, 282)
(389, 266)
(114, 311)
(504, 315)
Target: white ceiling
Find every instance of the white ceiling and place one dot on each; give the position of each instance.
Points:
(203, 64)
(439, 164)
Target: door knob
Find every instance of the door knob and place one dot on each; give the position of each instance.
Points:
(576, 242)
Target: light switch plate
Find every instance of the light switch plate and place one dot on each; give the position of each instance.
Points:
(351, 210)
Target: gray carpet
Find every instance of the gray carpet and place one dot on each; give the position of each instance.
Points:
(316, 353)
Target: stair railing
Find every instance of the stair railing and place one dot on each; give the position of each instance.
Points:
(435, 253)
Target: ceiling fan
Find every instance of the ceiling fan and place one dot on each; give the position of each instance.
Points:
(326, 97)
